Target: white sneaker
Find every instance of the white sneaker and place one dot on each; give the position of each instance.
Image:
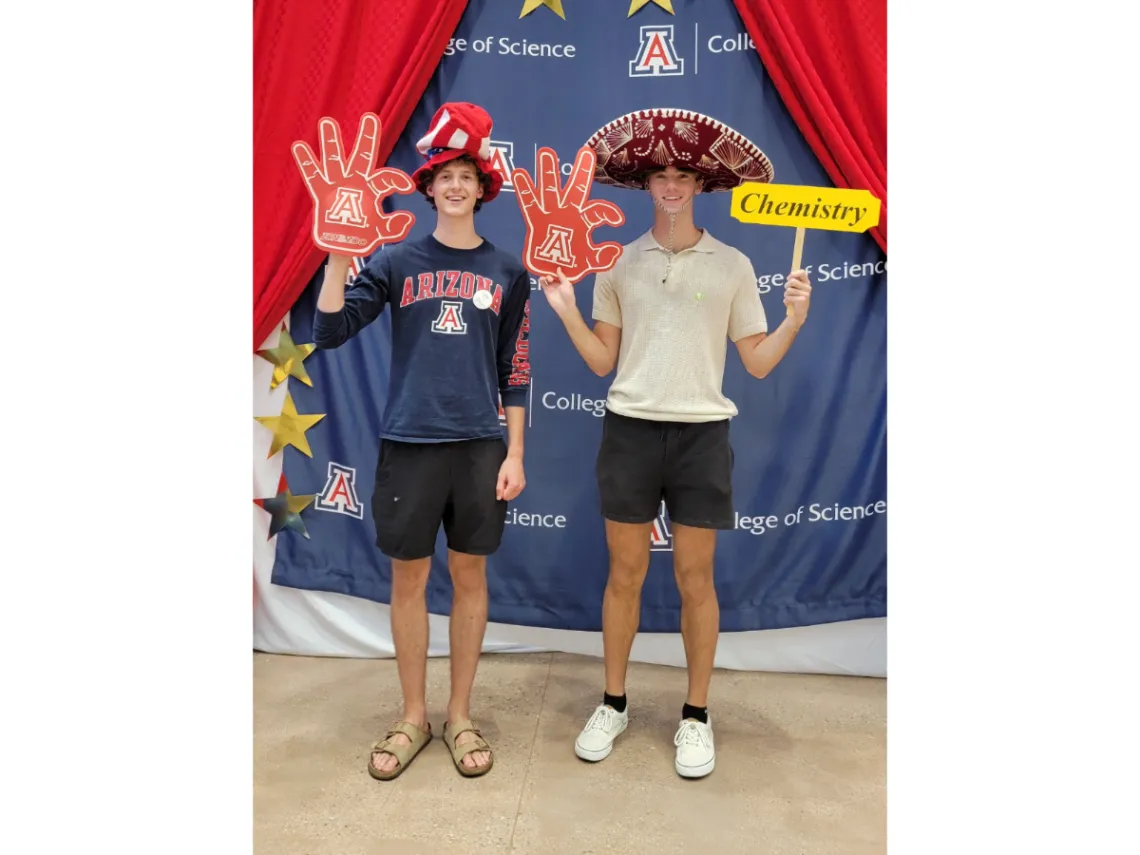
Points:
(596, 740)
(696, 755)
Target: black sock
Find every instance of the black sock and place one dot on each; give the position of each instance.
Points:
(615, 701)
(701, 714)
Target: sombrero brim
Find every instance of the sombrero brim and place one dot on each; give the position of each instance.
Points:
(422, 176)
(630, 146)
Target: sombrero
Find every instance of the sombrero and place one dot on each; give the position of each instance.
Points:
(458, 128)
(630, 146)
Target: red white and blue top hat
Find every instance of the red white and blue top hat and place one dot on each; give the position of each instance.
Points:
(458, 128)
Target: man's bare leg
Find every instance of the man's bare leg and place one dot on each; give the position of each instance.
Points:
(621, 608)
(410, 636)
(693, 551)
(468, 625)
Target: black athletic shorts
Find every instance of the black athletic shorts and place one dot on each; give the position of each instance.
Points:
(688, 465)
(420, 485)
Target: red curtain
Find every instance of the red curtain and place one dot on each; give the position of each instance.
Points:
(828, 61)
(315, 58)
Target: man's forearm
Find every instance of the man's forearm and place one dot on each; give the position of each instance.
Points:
(516, 421)
(767, 354)
(331, 297)
(586, 342)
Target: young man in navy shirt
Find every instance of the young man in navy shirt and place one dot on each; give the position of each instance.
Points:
(460, 329)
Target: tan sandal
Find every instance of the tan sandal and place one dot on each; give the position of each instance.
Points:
(404, 754)
(451, 732)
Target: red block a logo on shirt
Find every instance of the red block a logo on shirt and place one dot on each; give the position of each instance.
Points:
(450, 319)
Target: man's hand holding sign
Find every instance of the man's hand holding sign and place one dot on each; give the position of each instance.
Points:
(558, 245)
(347, 215)
(805, 208)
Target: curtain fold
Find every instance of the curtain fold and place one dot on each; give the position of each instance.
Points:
(315, 58)
(828, 61)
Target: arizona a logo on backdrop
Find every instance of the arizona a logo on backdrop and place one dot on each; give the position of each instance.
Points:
(656, 55)
(660, 537)
(503, 162)
(339, 493)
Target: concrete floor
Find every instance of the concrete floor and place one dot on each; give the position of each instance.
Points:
(801, 764)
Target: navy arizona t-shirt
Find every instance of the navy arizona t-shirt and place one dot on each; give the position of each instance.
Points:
(460, 336)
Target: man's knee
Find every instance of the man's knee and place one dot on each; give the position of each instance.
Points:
(468, 573)
(693, 553)
(629, 556)
(695, 580)
(409, 578)
(627, 573)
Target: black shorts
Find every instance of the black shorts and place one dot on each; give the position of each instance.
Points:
(687, 465)
(420, 485)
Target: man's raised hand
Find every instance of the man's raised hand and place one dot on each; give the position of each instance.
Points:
(559, 292)
(347, 215)
(559, 222)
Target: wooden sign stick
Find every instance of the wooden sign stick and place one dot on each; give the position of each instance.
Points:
(797, 255)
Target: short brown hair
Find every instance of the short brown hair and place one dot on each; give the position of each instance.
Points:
(649, 173)
(428, 178)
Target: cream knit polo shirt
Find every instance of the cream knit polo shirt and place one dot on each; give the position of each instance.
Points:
(674, 333)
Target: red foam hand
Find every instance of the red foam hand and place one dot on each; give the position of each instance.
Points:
(347, 216)
(559, 222)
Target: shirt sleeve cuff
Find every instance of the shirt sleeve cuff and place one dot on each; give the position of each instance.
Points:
(514, 398)
(751, 329)
(612, 319)
(327, 321)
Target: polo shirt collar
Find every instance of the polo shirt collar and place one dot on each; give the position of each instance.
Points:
(707, 243)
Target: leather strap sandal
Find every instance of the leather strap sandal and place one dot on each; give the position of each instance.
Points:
(404, 754)
(451, 731)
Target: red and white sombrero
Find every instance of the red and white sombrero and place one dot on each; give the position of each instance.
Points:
(458, 128)
(637, 142)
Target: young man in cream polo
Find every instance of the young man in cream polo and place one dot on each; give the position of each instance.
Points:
(662, 316)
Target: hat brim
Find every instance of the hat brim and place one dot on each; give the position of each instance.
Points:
(631, 146)
(422, 176)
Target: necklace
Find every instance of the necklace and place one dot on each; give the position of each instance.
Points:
(669, 249)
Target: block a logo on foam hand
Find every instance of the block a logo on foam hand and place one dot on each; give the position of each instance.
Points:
(656, 54)
(555, 248)
(339, 493)
(503, 162)
(347, 208)
(660, 536)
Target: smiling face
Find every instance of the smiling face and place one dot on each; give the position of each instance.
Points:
(672, 189)
(456, 187)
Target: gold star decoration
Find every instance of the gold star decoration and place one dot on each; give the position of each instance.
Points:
(667, 5)
(554, 6)
(285, 509)
(289, 427)
(288, 359)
